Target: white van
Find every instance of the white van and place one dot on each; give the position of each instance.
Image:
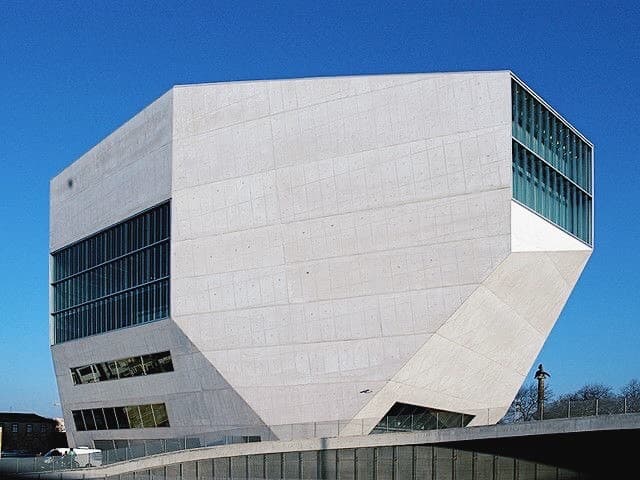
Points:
(64, 457)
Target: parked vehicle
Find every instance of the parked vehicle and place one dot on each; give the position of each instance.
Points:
(63, 457)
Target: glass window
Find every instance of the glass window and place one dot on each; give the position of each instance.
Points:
(29, 428)
(98, 415)
(404, 417)
(135, 421)
(548, 192)
(146, 413)
(110, 418)
(122, 368)
(160, 415)
(548, 137)
(157, 363)
(85, 374)
(89, 421)
(14, 428)
(90, 280)
(78, 420)
(106, 371)
(121, 417)
(130, 367)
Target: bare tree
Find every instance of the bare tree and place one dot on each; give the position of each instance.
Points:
(525, 406)
(590, 391)
(631, 389)
(631, 393)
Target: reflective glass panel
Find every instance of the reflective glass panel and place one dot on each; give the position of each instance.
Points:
(121, 417)
(110, 417)
(157, 363)
(98, 415)
(107, 281)
(130, 367)
(552, 165)
(88, 419)
(122, 368)
(135, 421)
(78, 420)
(146, 414)
(404, 417)
(160, 415)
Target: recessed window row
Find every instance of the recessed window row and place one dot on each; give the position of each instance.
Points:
(543, 189)
(147, 228)
(550, 138)
(134, 307)
(114, 279)
(119, 275)
(123, 368)
(119, 418)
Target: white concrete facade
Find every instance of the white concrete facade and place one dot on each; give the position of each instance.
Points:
(329, 236)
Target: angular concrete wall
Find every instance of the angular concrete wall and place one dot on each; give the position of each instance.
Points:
(125, 173)
(324, 229)
(329, 236)
(197, 397)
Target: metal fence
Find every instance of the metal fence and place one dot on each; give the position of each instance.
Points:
(576, 408)
(587, 408)
(48, 464)
(113, 451)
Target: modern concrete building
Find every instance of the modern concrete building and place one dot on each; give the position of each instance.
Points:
(326, 252)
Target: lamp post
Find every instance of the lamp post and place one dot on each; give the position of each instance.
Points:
(540, 377)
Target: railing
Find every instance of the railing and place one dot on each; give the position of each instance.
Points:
(143, 448)
(48, 464)
(354, 427)
(588, 408)
(574, 408)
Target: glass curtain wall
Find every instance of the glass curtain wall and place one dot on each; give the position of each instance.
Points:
(114, 279)
(552, 166)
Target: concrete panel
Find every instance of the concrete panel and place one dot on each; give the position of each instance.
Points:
(323, 229)
(532, 233)
(337, 245)
(491, 340)
(197, 397)
(127, 172)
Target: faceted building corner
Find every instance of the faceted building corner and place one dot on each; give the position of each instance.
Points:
(313, 257)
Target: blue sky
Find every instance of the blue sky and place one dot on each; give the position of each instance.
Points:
(72, 72)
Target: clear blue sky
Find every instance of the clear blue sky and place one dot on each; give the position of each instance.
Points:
(72, 72)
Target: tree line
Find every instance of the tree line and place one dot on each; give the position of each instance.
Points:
(525, 405)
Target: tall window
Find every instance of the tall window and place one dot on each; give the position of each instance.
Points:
(114, 279)
(552, 165)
